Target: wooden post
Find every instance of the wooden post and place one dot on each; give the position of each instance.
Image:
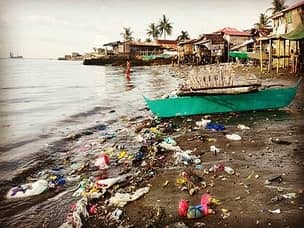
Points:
(261, 57)
(278, 57)
(284, 54)
(270, 56)
(288, 52)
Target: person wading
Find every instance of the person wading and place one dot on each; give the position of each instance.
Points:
(128, 69)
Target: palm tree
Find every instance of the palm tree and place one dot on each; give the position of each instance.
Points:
(183, 36)
(127, 34)
(153, 31)
(148, 40)
(165, 27)
(277, 6)
(264, 21)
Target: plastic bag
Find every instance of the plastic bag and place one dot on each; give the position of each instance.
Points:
(234, 137)
(30, 189)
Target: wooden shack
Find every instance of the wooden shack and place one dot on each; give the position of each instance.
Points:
(288, 34)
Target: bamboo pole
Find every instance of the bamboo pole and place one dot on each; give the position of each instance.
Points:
(278, 57)
(270, 55)
(261, 57)
(284, 54)
(288, 51)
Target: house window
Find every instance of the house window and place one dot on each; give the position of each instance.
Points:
(289, 17)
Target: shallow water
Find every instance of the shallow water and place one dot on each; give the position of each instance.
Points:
(44, 101)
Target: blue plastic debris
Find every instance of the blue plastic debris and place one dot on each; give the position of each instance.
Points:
(214, 126)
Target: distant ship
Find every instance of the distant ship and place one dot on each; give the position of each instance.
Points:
(12, 56)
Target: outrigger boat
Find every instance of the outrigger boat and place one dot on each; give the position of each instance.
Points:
(207, 101)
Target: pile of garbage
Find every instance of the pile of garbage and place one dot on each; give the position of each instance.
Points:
(106, 174)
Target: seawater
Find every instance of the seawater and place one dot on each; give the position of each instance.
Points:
(43, 101)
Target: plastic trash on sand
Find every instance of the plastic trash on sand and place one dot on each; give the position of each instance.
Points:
(78, 212)
(277, 211)
(277, 179)
(242, 127)
(116, 214)
(215, 127)
(103, 161)
(169, 147)
(229, 170)
(184, 157)
(26, 190)
(81, 188)
(198, 211)
(170, 140)
(217, 168)
(203, 123)
(56, 181)
(121, 199)
(290, 195)
(214, 149)
(194, 212)
(107, 183)
(93, 209)
(234, 137)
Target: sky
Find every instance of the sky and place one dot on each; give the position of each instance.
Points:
(53, 28)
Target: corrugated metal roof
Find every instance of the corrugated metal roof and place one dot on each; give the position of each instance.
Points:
(112, 43)
(294, 6)
(166, 41)
(215, 38)
(136, 43)
(233, 32)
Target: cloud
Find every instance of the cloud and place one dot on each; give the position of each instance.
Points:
(46, 20)
(99, 40)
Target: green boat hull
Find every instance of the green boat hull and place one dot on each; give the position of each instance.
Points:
(271, 98)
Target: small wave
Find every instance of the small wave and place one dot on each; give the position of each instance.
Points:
(22, 87)
(17, 100)
(91, 112)
(7, 147)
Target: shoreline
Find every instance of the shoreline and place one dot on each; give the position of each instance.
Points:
(158, 207)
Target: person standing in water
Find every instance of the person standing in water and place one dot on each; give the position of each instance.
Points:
(128, 70)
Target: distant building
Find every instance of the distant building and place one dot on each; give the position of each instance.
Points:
(204, 49)
(144, 48)
(234, 36)
(114, 47)
(215, 44)
(289, 20)
(134, 48)
(167, 44)
(213, 47)
(73, 56)
(67, 57)
(287, 35)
